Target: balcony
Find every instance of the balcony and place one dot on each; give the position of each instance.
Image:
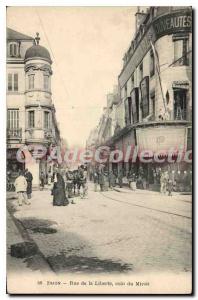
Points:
(14, 134)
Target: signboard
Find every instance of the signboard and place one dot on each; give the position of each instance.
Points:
(172, 23)
(180, 84)
(161, 138)
(176, 22)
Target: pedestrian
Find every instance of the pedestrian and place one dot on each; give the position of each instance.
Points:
(111, 180)
(95, 179)
(83, 184)
(29, 179)
(58, 192)
(101, 180)
(170, 187)
(21, 189)
(106, 180)
(42, 180)
(130, 178)
(139, 183)
(69, 183)
(120, 178)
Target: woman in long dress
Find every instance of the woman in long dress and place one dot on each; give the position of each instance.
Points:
(58, 192)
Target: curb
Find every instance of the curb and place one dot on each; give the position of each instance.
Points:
(46, 268)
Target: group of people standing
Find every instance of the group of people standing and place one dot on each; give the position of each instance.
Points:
(65, 186)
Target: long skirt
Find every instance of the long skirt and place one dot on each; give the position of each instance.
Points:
(59, 197)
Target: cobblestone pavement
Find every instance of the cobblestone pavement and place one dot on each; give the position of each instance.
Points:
(113, 231)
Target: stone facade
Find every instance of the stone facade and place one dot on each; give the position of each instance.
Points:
(31, 119)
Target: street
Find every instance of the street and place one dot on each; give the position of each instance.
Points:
(116, 231)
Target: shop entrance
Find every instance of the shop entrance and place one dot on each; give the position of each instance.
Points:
(180, 104)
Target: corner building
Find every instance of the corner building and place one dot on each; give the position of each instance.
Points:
(31, 118)
(155, 87)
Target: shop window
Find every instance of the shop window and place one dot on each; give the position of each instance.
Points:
(13, 119)
(152, 63)
(13, 82)
(135, 105)
(31, 81)
(46, 82)
(46, 119)
(180, 104)
(181, 49)
(31, 119)
(13, 49)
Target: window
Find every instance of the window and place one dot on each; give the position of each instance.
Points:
(152, 63)
(127, 105)
(181, 49)
(13, 49)
(46, 82)
(46, 119)
(135, 105)
(13, 82)
(13, 119)
(31, 119)
(132, 81)
(31, 81)
(9, 82)
(153, 106)
(125, 90)
(144, 87)
(141, 71)
(180, 104)
(16, 82)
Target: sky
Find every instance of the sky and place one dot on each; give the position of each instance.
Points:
(87, 45)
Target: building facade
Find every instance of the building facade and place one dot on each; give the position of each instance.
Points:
(154, 110)
(31, 118)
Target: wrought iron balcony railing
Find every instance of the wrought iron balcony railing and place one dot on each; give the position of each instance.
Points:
(14, 133)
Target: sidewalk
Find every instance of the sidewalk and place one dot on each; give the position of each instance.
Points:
(35, 263)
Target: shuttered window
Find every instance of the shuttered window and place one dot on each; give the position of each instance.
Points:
(46, 119)
(31, 119)
(13, 82)
(13, 119)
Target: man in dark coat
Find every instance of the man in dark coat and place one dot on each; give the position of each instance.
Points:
(29, 178)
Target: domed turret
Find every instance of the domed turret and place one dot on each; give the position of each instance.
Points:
(37, 51)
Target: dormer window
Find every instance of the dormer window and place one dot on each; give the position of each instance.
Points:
(13, 49)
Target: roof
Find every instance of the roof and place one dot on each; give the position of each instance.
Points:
(37, 51)
(15, 35)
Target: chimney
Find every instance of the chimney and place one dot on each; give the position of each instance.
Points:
(139, 17)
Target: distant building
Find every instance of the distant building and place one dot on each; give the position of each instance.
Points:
(31, 118)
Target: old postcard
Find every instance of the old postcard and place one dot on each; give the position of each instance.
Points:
(99, 150)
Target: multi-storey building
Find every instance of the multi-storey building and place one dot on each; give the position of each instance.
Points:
(154, 111)
(31, 118)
